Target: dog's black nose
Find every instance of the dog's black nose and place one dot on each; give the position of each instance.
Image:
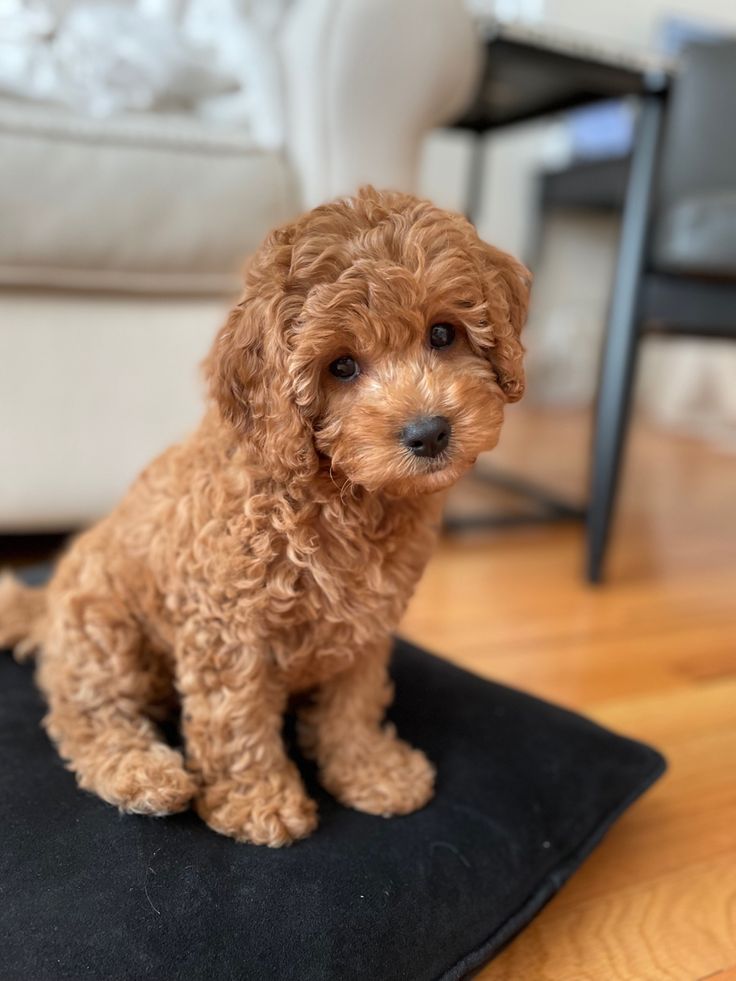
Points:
(428, 436)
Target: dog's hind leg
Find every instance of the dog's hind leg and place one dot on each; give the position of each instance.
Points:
(97, 686)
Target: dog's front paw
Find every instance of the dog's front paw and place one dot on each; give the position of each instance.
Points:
(271, 812)
(381, 775)
(143, 781)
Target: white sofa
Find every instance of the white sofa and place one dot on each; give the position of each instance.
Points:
(121, 239)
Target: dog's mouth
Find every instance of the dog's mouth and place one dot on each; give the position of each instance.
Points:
(440, 472)
(436, 464)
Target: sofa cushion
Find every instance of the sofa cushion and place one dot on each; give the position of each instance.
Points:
(697, 235)
(136, 202)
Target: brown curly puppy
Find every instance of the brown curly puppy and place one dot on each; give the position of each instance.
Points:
(273, 552)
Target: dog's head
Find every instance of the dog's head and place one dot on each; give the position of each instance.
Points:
(377, 336)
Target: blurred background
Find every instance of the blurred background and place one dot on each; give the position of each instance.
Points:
(147, 146)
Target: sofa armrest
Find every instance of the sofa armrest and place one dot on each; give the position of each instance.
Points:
(364, 82)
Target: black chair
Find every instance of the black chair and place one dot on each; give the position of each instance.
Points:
(677, 262)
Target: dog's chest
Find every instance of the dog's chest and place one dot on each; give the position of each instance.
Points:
(344, 596)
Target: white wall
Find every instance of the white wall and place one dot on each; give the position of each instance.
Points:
(633, 21)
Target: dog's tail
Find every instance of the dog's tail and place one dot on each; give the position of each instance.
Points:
(22, 616)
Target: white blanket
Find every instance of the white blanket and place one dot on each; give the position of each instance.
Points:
(217, 59)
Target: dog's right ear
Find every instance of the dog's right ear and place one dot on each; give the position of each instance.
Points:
(234, 365)
(251, 377)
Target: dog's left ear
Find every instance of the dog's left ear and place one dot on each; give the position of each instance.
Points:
(507, 284)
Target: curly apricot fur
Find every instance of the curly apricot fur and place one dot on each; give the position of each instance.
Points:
(273, 552)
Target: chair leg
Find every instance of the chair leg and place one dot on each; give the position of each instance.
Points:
(612, 419)
(620, 347)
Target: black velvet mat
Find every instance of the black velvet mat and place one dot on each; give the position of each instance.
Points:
(525, 791)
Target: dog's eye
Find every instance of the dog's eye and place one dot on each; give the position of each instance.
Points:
(441, 335)
(345, 368)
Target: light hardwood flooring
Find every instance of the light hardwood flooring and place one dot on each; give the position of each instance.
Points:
(652, 654)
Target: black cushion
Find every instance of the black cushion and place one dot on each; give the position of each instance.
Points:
(525, 791)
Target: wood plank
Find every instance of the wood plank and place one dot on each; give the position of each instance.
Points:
(678, 927)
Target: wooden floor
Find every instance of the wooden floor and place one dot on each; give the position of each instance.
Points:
(652, 654)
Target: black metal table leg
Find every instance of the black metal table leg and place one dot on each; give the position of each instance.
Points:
(618, 362)
(548, 506)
